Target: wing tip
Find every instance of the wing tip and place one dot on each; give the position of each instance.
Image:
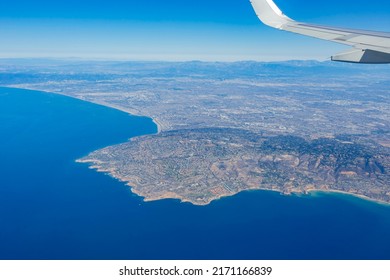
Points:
(269, 13)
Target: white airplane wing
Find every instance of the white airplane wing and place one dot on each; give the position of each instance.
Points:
(368, 46)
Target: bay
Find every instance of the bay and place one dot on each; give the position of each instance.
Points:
(54, 208)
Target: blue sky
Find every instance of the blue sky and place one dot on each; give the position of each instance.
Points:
(216, 30)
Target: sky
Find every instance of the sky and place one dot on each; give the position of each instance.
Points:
(173, 30)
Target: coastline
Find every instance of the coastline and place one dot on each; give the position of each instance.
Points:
(156, 121)
(171, 195)
(363, 197)
(160, 127)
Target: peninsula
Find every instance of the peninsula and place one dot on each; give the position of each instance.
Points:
(202, 165)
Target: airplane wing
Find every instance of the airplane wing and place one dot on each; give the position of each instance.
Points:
(367, 46)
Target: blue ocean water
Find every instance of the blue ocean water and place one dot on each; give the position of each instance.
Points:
(54, 208)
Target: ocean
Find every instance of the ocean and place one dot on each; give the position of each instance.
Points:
(54, 208)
